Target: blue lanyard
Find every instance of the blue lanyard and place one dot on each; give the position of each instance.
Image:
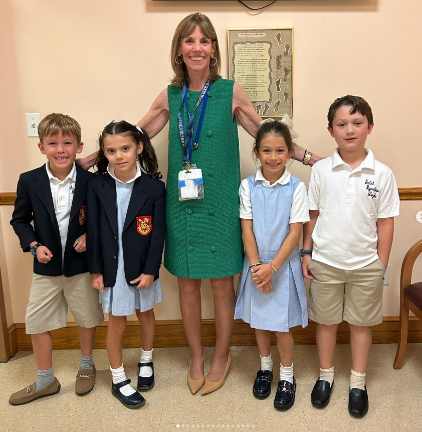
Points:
(187, 142)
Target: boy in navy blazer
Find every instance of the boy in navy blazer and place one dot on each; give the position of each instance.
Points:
(49, 219)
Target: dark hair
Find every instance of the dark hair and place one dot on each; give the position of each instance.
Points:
(147, 159)
(356, 104)
(273, 128)
(186, 27)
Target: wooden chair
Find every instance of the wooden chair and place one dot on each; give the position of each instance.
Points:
(410, 298)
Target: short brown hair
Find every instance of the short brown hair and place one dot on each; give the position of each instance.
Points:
(54, 123)
(186, 27)
(356, 104)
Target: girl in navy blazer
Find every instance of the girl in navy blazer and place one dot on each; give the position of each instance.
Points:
(125, 240)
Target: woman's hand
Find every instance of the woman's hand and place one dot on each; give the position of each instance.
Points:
(80, 244)
(145, 280)
(87, 162)
(97, 281)
(261, 275)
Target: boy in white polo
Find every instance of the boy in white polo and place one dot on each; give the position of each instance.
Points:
(353, 199)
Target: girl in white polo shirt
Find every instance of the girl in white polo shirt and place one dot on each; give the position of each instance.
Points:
(271, 293)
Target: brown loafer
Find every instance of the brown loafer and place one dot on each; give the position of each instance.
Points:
(85, 380)
(28, 393)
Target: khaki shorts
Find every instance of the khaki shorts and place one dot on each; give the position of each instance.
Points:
(354, 296)
(50, 296)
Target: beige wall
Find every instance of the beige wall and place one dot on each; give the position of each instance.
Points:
(101, 59)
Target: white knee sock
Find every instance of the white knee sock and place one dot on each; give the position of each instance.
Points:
(286, 373)
(357, 380)
(146, 356)
(267, 363)
(327, 374)
(120, 376)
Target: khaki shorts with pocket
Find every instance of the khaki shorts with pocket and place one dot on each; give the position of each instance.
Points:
(50, 297)
(354, 296)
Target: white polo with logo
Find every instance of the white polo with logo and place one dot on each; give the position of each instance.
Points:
(349, 203)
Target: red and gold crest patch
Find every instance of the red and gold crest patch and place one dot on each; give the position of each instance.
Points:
(82, 215)
(144, 224)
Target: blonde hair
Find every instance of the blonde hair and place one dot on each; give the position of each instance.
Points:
(54, 123)
(186, 27)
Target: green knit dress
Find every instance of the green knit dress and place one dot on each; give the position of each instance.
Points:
(203, 238)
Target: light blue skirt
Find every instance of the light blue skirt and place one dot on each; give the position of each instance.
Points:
(284, 307)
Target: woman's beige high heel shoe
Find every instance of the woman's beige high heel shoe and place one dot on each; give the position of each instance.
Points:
(195, 384)
(211, 386)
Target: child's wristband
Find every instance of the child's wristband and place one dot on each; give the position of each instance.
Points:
(254, 265)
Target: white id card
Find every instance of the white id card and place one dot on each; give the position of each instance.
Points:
(191, 184)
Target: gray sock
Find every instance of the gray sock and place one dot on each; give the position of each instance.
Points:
(86, 362)
(44, 379)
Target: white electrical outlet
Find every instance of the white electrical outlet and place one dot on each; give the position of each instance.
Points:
(387, 276)
(32, 122)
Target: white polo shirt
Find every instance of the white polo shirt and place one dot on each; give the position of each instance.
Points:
(62, 192)
(349, 203)
(300, 209)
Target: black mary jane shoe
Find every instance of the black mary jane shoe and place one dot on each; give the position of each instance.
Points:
(321, 393)
(135, 400)
(285, 396)
(358, 402)
(262, 384)
(146, 383)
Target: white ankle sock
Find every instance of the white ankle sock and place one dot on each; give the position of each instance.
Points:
(146, 356)
(357, 380)
(120, 376)
(266, 363)
(327, 374)
(286, 373)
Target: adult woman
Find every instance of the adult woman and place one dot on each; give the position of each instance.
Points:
(203, 236)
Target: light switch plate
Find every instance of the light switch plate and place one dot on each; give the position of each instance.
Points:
(32, 122)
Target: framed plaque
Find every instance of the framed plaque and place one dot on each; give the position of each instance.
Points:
(261, 61)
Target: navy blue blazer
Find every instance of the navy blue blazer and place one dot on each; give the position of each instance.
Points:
(143, 230)
(34, 202)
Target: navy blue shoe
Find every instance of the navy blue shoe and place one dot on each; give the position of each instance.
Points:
(135, 400)
(146, 383)
(358, 402)
(262, 384)
(285, 396)
(321, 393)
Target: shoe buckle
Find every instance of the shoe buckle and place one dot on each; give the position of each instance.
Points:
(28, 389)
(86, 376)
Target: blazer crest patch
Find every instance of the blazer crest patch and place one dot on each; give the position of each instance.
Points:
(82, 215)
(144, 224)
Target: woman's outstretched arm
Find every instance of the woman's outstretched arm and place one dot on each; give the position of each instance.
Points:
(250, 120)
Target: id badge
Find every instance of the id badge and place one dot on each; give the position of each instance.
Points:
(191, 184)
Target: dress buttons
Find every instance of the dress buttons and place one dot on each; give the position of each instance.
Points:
(210, 173)
(209, 133)
(115, 238)
(189, 211)
(115, 257)
(213, 249)
(211, 212)
(190, 248)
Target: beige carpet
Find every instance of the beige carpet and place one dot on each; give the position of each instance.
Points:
(395, 396)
